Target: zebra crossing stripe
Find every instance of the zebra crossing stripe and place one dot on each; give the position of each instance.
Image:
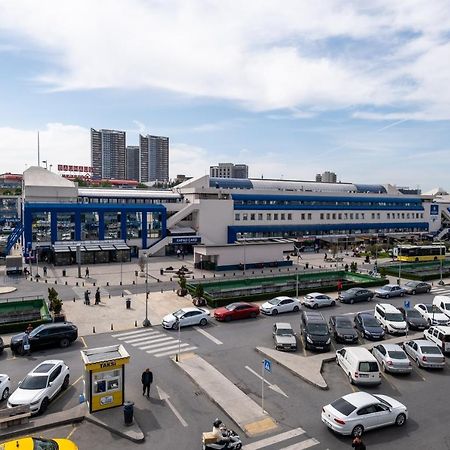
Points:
(275, 439)
(171, 347)
(159, 344)
(129, 333)
(302, 445)
(172, 352)
(148, 336)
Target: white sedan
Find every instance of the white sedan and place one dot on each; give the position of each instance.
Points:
(5, 386)
(185, 317)
(317, 300)
(41, 385)
(433, 314)
(280, 305)
(355, 413)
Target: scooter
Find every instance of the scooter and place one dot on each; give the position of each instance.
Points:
(234, 442)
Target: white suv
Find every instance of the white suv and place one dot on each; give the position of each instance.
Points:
(391, 319)
(41, 385)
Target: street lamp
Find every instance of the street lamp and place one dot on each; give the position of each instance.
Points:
(245, 256)
(441, 281)
(146, 322)
(177, 357)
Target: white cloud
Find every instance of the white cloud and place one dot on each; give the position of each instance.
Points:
(255, 53)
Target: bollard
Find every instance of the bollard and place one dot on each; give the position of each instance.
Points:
(112, 328)
(234, 274)
(122, 294)
(93, 284)
(288, 269)
(83, 283)
(203, 276)
(66, 283)
(120, 283)
(158, 280)
(128, 303)
(107, 283)
(74, 299)
(134, 282)
(93, 330)
(270, 270)
(56, 281)
(46, 281)
(170, 278)
(135, 323)
(109, 295)
(161, 291)
(76, 283)
(173, 289)
(224, 274)
(253, 273)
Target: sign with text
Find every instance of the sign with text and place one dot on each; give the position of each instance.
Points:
(434, 210)
(187, 240)
(72, 168)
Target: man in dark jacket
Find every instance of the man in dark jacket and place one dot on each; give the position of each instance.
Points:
(358, 444)
(147, 380)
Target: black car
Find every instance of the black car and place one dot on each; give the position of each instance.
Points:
(417, 287)
(354, 295)
(343, 330)
(414, 319)
(1, 345)
(314, 330)
(368, 326)
(60, 334)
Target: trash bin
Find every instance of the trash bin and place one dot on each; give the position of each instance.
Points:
(64, 272)
(161, 271)
(128, 303)
(128, 409)
(306, 265)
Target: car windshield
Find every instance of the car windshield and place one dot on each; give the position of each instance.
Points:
(285, 332)
(343, 406)
(231, 306)
(37, 330)
(433, 309)
(382, 400)
(371, 322)
(411, 284)
(44, 444)
(318, 328)
(343, 323)
(430, 350)
(397, 354)
(368, 366)
(274, 301)
(178, 313)
(413, 314)
(446, 306)
(29, 382)
(394, 317)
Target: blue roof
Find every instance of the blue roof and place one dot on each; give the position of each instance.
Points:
(370, 188)
(230, 183)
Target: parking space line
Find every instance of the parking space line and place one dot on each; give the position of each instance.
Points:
(417, 371)
(71, 432)
(389, 381)
(83, 341)
(209, 336)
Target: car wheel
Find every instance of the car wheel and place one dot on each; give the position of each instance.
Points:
(350, 378)
(413, 292)
(387, 296)
(5, 394)
(402, 294)
(238, 446)
(65, 384)
(64, 343)
(44, 406)
(315, 306)
(383, 367)
(333, 303)
(400, 420)
(296, 309)
(351, 301)
(227, 318)
(274, 312)
(175, 326)
(203, 322)
(357, 431)
(418, 362)
(253, 315)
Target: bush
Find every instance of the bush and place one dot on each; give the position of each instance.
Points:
(55, 304)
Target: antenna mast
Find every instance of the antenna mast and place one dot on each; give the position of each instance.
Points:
(38, 149)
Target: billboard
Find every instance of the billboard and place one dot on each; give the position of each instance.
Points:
(72, 168)
(434, 210)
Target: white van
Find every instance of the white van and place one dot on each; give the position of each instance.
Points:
(443, 302)
(440, 335)
(390, 318)
(359, 365)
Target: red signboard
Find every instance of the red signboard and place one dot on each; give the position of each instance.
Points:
(71, 168)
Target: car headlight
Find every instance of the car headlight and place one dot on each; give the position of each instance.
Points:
(34, 403)
(309, 339)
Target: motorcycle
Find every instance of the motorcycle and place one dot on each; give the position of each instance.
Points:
(233, 442)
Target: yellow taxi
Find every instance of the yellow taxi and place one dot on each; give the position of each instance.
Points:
(31, 443)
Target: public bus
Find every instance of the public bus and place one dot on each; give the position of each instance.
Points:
(417, 253)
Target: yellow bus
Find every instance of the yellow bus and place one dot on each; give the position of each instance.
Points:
(417, 253)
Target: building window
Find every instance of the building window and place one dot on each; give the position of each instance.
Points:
(373, 215)
(269, 216)
(321, 216)
(237, 217)
(289, 216)
(275, 216)
(378, 216)
(351, 216)
(357, 216)
(340, 216)
(252, 216)
(403, 215)
(283, 216)
(334, 216)
(309, 216)
(388, 215)
(407, 215)
(244, 216)
(328, 216)
(362, 216)
(303, 216)
(345, 216)
(260, 216)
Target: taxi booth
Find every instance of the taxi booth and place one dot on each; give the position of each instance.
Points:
(104, 376)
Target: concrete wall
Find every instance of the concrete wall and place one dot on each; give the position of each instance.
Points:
(213, 219)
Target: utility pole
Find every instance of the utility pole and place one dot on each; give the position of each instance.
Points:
(146, 322)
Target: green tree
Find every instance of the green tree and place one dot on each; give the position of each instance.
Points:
(54, 301)
(199, 291)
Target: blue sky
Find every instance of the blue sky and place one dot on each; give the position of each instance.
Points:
(291, 91)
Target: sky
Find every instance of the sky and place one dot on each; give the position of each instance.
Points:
(290, 88)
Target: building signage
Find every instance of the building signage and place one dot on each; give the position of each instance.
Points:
(105, 364)
(434, 210)
(72, 168)
(187, 240)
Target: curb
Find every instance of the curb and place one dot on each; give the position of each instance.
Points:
(140, 437)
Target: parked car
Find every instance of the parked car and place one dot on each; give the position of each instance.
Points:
(358, 412)
(41, 385)
(392, 358)
(284, 336)
(235, 311)
(414, 319)
(343, 329)
(416, 287)
(440, 336)
(2, 346)
(315, 331)
(280, 305)
(317, 300)
(368, 326)
(390, 290)
(425, 353)
(33, 443)
(390, 318)
(354, 295)
(5, 386)
(359, 365)
(432, 313)
(185, 317)
(60, 334)
(443, 302)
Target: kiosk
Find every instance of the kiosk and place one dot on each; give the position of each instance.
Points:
(104, 376)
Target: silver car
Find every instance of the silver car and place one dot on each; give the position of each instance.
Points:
(425, 353)
(284, 336)
(392, 358)
(317, 300)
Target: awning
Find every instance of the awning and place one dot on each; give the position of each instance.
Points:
(61, 249)
(181, 230)
(107, 247)
(121, 247)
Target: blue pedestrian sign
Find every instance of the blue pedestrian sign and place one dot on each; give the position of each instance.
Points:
(267, 365)
(406, 304)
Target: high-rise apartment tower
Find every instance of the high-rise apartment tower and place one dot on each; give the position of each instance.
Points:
(108, 154)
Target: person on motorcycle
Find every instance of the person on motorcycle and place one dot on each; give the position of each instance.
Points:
(218, 429)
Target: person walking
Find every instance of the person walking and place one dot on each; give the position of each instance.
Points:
(86, 272)
(45, 271)
(147, 380)
(87, 300)
(29, 328)
(97, 296)
(339, 286)
(178, 253)
(26, 344)
(358, 444)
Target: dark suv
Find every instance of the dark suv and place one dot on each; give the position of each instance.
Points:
(47, 335)
(314, 329)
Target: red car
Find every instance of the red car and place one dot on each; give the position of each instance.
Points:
(234, 311)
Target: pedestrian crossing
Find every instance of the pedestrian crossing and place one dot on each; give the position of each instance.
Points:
(275, 441)
(441, 290)
(155, 343)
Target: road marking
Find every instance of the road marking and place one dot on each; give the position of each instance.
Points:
(165, 397)
(148, 336)
(274, 387)
(417, 371)
(274, 439)
(388, 381)
(153, 341)
(209, 336)
(302, 445)
(127, 292)
(172, 347)
(84, 342)
(357, 312)
(77, 380)
(172, 352)
(160, 344)
(128, 333)
(73, 431)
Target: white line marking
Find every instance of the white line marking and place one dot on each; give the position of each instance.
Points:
(129, 333)
(170, 347)
(274, 387)
(153, 341)
(173, 352)
(209, 336)
(357, 312)
(275, 439)
(144, 337)
(127, 292)
(302, 445)
(166, 342)
(165, 397)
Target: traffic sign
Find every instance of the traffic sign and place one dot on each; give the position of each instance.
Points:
(268, 365)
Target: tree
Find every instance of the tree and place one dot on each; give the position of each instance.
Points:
(183, 286)
(199, 291)
(54, 301)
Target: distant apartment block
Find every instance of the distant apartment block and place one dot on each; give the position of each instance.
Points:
(154, 155)
(132, 161)
(326, 177)
(229, 170)
(108, 154)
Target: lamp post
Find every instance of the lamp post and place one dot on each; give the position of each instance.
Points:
(121, 272)
(441, 281)
(177, 357)
(146, 322)
(399, 254)
(245, 256)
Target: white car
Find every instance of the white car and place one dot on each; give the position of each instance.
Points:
(41, 385)
(5, 386)
(317, 300)
(357, 412)
(280, 305)
(432, 313)
(185, 317)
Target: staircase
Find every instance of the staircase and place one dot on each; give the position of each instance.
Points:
(157, 246)
(13, 238)
(443, 232)
(180, 215)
